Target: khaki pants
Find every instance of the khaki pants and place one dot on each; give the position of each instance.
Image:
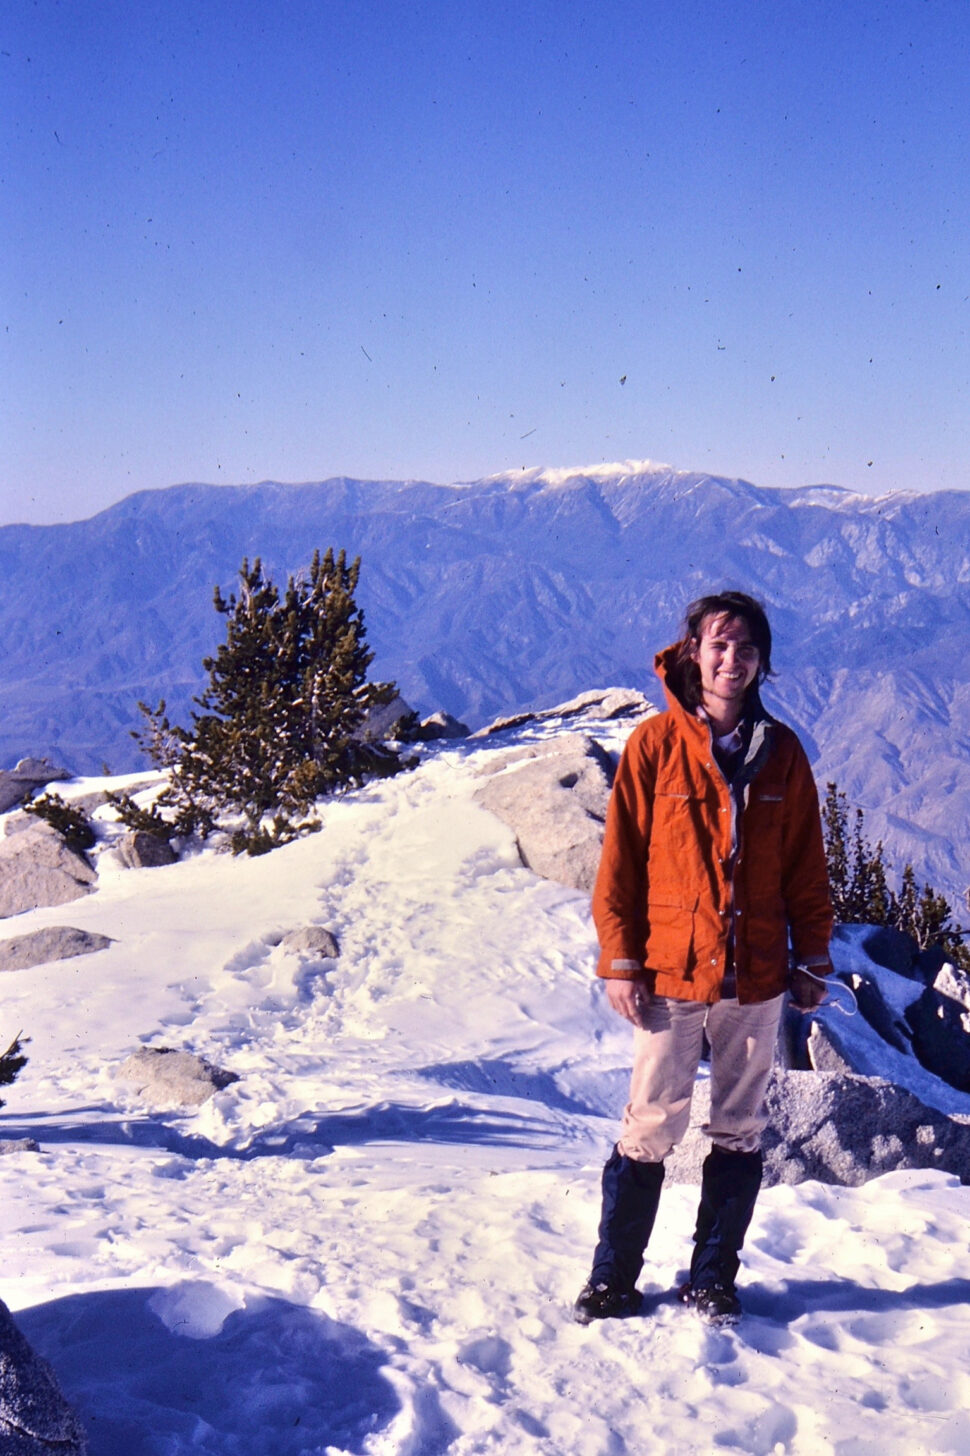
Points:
(666, 1053)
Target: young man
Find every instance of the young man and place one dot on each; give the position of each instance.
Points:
(712, 861)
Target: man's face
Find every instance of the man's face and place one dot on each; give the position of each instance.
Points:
(727, 658)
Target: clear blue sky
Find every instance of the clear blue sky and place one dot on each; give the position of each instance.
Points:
(300, 238)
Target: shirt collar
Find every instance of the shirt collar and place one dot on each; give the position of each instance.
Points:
(727, 742)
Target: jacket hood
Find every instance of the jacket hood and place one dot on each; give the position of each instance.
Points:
(663, 665)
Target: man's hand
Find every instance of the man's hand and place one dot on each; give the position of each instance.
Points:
(628, 999)
(808, 988)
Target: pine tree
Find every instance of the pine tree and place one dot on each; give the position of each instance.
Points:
(904, 906)
(834, 821)
(861, 894)
(926, 916)
(878, 900)
(281, 715)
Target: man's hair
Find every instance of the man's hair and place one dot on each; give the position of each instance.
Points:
(685, 676)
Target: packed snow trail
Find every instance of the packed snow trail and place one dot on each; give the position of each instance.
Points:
(370, 1244)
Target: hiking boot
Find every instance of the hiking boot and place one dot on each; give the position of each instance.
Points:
(605, 1301)
(717, 1304)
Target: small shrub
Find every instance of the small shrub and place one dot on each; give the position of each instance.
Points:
(150, 821)
(12, 1062)
(71, 823)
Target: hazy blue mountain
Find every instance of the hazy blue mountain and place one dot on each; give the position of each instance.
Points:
(523, 589)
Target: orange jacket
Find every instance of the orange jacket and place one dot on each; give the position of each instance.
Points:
(670, 884)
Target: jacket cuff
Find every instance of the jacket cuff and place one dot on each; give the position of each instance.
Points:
(815, 957)
(621, 970)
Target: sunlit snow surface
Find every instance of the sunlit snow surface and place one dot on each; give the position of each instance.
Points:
(371, 1243)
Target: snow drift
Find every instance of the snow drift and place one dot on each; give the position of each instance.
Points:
(370, 1243)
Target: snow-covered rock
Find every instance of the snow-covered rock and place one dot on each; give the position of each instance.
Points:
(53, 943)
(312, 940)
(880, 1023)
(18, 1145)
(440, 725)
(846, 1129)
(167, 1077)
(37, 868)
(604, 703)
(553, 796)
(139, 849)
(838, 1128)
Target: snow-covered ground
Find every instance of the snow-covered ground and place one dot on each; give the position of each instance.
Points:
(372, 1241)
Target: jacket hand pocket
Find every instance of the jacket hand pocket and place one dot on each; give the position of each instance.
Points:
(670, 933)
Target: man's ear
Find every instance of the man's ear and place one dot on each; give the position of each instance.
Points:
(694, 648)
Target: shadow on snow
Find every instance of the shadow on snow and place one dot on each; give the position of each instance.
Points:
(501, 1078)
(793, 1299)
(307, 1137)
(270, 1377)
(797, 1297)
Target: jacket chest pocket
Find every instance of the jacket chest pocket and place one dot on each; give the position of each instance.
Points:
(766, 803)
(763, 821)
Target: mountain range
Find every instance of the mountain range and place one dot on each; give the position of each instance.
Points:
(518, 591)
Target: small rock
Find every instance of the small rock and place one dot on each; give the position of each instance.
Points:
(165, 1077)
(954, 983)
(501, 725)
(139, 850)
(30, 773)
(312, 940)
(891, 948)
(940, 1038)
(824, 1053)
(34, 1416)
(440, 725)
(54, 943)
(380, 720)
